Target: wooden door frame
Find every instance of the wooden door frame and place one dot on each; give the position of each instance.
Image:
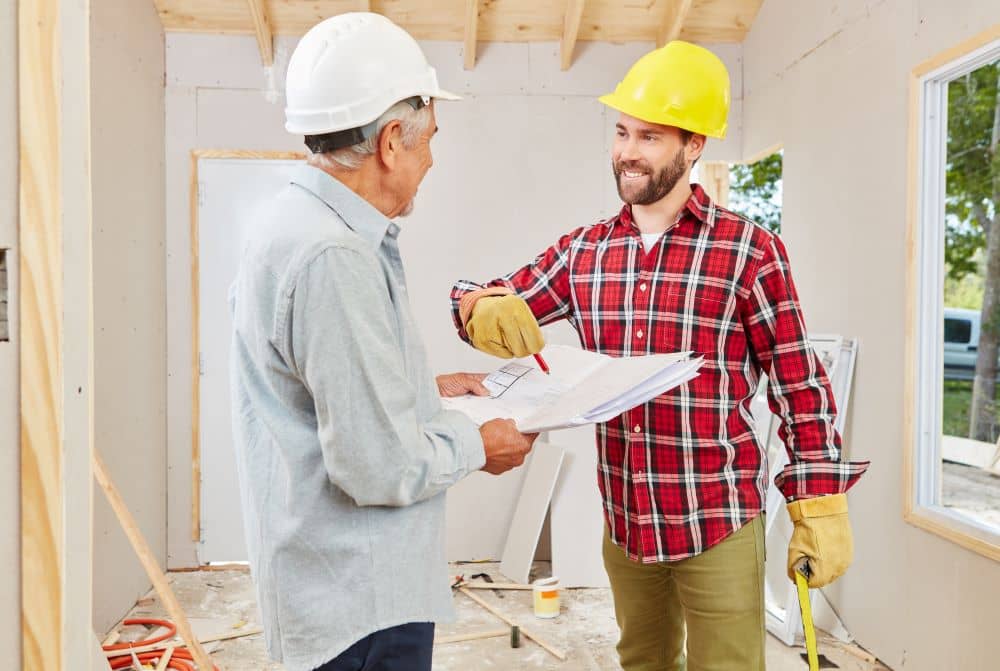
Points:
(196, 155)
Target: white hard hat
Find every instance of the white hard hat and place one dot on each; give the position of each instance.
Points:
(349, 69)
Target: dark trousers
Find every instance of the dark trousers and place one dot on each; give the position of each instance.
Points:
(407, 647)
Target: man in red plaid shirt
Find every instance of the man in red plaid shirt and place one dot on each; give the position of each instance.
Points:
(683, 477)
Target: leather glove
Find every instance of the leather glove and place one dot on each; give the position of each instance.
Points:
(822, 536)
(504, 326)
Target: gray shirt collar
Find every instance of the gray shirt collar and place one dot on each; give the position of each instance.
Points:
(357, 213)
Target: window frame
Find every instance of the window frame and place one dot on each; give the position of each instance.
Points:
(925, 313)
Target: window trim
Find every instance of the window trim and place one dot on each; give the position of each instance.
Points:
(925, 277)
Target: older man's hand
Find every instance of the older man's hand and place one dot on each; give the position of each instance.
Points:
(460, 384)
(505, 446)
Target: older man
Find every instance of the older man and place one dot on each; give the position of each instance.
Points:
(344, 451)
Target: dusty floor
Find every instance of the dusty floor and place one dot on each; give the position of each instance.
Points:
(222, 601)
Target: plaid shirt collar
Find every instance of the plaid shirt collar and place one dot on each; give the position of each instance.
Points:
(699, 209)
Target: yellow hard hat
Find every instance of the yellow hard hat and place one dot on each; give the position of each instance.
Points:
(679, 84)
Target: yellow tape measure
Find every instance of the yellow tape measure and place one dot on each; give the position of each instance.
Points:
(802, 583)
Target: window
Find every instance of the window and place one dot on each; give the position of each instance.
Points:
(954, 325)
(755, 190)
(957, 330)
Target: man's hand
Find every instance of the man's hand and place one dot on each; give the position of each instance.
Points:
(505, 446)
(822, 536)
(504, 326)
(460, 384)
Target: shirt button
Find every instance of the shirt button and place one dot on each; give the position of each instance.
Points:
(637, 428)
(642, 287)
(638, 334)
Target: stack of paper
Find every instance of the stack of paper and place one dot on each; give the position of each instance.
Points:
(583, 388)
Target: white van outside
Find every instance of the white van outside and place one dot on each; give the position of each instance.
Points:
(961, 343)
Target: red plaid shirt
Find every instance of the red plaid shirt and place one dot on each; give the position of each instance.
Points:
(684, 471)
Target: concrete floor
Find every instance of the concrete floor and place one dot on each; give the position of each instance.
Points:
(221, 601)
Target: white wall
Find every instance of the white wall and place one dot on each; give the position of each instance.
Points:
(829, 81)
(521, 160)
(127, 101)
(10, 490)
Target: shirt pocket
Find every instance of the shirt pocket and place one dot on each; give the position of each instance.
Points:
(703, 315)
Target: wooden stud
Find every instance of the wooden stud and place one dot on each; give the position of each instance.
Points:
(471, 32)
(571, 29)
(262, 28)
(673, 21)
(149, 563)
(556, 652)
(41, 339)
(197, 154)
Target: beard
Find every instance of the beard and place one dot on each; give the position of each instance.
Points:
(658, 184)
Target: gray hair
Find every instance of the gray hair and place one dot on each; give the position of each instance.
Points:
(412, 124)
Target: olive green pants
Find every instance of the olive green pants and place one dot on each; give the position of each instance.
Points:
(715, 598)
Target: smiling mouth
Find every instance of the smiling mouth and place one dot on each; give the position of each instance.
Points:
(629, 174)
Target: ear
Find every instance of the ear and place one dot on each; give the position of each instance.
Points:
(695, 145)
(390, 143)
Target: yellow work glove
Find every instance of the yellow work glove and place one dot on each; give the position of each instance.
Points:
(505, 327)
(822, 536)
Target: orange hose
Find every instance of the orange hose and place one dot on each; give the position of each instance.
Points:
(181, 660)
(172, 631)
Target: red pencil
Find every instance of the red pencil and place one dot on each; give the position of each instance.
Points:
(541, 364)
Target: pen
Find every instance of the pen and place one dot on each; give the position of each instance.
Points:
(541, 364)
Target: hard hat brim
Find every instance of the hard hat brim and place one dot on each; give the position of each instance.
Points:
(445, 95)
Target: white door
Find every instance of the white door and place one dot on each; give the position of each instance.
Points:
(229, 191)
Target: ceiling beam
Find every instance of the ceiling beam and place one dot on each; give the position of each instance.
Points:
(262, 27)
(673, 21)
(471, 32)
(571, 28)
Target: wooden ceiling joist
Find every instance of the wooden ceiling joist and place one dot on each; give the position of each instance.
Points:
(571, 30)
(673, 21)
(471, 32)
(262, 28)
(472, 22)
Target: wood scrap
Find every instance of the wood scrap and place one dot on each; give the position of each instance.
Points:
(208, 639)
(165, 659)
(495, 585)
(556, 652)
(474, 636)
(148, 561)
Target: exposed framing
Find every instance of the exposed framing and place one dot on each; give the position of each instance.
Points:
(921, 398)
(56, 373)
(471, 32)
(196, 155)
(571, 30)
(673, 21)
(262, 29)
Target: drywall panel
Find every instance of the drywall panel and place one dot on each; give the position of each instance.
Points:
(127, 114)
(523, 158)
(10, 491)
(830, 83)
(531, 510)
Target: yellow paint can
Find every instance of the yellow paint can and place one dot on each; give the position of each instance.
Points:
(546, 593)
